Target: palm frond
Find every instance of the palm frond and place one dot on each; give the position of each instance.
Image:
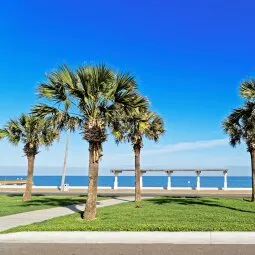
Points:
(141, 123)
(247, 89)
(240, 125)
(30, 130)
(96, 93)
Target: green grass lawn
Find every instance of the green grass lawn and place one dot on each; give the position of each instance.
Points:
(161, 214)
(12, 204)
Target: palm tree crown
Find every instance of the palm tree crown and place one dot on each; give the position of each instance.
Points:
(94, 94)
(31, 131)
(247, 89)
(240, 125)
(142, 123)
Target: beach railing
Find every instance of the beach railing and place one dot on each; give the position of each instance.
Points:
(169, 173)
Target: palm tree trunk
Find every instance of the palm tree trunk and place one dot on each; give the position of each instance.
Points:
(253, 175)
(29, 183)
(65, 161)
(94, 156)
(137, 151)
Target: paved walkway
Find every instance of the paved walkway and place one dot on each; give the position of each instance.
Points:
(7, 222)
(130, 237)
(130, 192)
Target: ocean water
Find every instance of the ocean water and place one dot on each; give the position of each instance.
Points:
(148, 181)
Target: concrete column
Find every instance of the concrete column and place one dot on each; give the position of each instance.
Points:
(141, 180)
(169, 183)
(225, 180)
(116, 180)
(198, 179)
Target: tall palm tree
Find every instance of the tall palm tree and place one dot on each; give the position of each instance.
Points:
(33, 133)
(240, 126)
(142, 123)
(70, 125)
(96, 94)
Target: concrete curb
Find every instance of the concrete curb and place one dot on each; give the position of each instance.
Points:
(131, 237)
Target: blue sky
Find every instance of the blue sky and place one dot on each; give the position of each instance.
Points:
(189, 58)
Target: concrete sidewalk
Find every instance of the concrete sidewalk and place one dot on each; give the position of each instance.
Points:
(130, 237)
(145, 192)
(7, 222)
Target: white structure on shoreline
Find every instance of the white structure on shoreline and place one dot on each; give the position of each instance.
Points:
(169, 173)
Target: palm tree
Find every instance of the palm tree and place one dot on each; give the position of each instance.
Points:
(33, 133)
(142, 123)
(96, 94)
(240, 125)
(70, 125)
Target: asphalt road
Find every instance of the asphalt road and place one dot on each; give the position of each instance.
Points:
(124, 249)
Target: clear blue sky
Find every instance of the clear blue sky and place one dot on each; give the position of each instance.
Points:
(188, 56)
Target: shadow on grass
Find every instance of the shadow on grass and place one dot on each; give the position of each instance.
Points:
(193, 201)
(57, 201)
(20, 195)
(38, 200)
